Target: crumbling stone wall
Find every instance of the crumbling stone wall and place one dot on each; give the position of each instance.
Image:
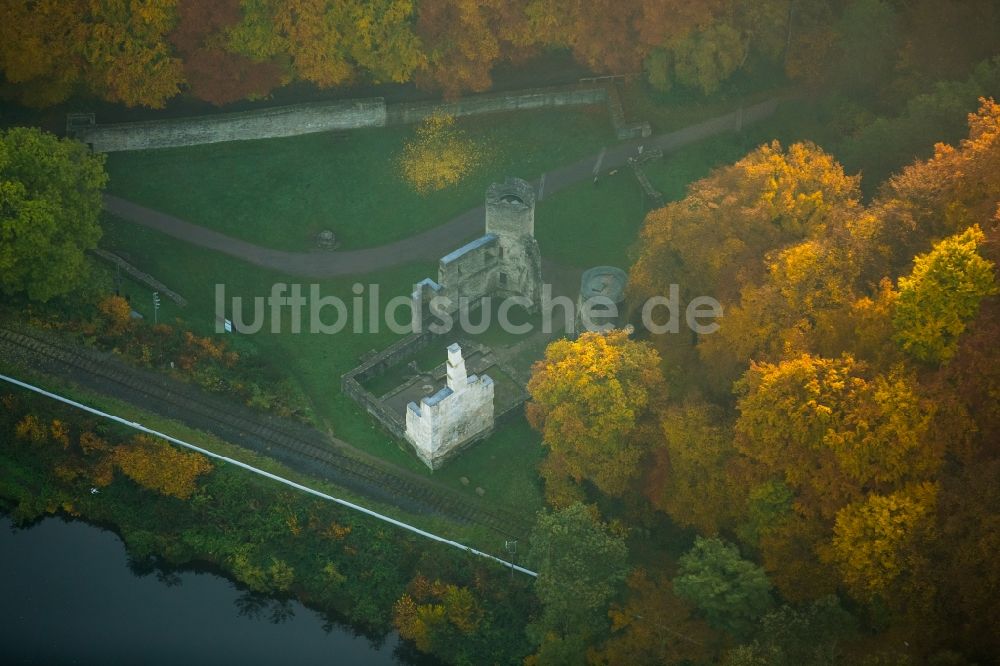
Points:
(505, 261)
(534, 98)
(311, 117)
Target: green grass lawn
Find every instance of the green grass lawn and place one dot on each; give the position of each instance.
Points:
(581, 226)
(315, 362)
(585, 226)
(281, 192)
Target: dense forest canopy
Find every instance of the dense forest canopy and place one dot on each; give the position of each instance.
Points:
(833, 439)
(814, 483)
(145, 52)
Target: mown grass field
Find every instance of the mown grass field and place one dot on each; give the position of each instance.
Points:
(281, 192)
(504, 465)
(581, 226)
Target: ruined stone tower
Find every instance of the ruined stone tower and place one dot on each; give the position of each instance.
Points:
(510, 216)
(505, 261)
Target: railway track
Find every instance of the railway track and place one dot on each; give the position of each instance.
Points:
(302, 448)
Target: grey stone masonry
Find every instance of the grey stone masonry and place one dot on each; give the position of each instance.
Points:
(458, 414)
(257, 124)
(505, 261)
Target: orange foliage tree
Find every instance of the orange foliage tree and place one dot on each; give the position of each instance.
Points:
(161, 467)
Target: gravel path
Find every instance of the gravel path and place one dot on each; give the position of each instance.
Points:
(433, 243)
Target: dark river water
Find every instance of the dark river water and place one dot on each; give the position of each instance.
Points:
(67, 595)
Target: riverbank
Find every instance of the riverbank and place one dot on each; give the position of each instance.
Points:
(272, 541)
(72, 594)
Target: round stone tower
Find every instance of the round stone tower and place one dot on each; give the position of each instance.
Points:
(510, 208)
(601, 287)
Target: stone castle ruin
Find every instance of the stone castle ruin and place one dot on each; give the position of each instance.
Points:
(505, 261)
(458, 414)
(439, 420)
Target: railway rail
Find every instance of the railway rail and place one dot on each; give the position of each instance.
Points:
(300, 447)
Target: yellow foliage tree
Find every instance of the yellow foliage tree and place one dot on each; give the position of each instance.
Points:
(713, 239)
(30, 429)
(591, 398)
(941, 295)
(831, 433)
(439, 156)
(161, 467)
(130, 60)
(688, 480)
(874, 540)
(435, 611)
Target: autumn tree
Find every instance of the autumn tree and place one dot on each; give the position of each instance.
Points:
(805, 295)
(605, 35)
(214, 73)
(129, 59)
(731, 592)
(955, 189)
(256, 34)
(462, 40)
(654, 626)
(161, 467)
(382, 39)
(314, 33)
(438, 156)
(594, 399)
(117, 314)
(51, 201)
(580, 565)
(688, 480)
(941, 295)
(832, 432)
(876, 539)
(713, 238)
(434, 614)
(116, 48)
(41, 49)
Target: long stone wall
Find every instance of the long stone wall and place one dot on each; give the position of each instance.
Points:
(339, 115)
(538, 98)
(257, 124)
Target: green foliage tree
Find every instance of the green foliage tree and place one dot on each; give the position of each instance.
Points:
(810, 635)
(706, 58)
(50, 201)
(731, 592)
(941, 295)
(868, 43)
(580, 567)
